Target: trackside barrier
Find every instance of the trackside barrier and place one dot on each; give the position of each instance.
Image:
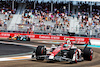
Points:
(78, 40)
(95, 42)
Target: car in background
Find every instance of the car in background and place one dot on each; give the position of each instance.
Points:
(20, 38)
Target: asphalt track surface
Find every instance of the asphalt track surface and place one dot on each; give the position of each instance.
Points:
(10, 49)
(33, 63)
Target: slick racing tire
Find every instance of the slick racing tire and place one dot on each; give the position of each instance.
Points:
(72, 53)
(88, 54)
(10, 37)
(28, 39)
(41, 50)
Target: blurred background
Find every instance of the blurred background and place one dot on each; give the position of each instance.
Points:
(51, 17)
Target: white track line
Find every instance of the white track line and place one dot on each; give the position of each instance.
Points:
(29, 45)
(18, 57)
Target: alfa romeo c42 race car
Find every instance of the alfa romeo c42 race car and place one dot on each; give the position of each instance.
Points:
(64, 52)
(20, 38)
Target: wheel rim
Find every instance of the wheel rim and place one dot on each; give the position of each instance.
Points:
(42, 51)
(91, 56)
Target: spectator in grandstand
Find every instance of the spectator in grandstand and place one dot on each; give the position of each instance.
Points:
(0, 23)
(73, 15)
(43, 15)
(6, 14)
(5, 24)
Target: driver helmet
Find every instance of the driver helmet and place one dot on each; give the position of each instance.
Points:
(18, 35)
(68, 40)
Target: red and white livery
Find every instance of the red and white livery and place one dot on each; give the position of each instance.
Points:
(63, 52)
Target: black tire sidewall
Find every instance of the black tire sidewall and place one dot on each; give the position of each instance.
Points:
(87, 54)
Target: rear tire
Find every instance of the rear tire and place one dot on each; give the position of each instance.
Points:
(28, 39)
(88, 54)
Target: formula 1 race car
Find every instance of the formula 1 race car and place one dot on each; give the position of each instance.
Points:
(63, 52)
(20, 38)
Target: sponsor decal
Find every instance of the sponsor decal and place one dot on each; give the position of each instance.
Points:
(4, 34)
(57, 38)
(79, 39)
(44, 37)
(31, 36)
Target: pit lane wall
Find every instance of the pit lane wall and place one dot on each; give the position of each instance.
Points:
(78, 40)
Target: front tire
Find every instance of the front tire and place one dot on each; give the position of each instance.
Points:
(73, 54)
(41, 50)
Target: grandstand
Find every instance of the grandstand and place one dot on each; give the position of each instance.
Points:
(47, 16)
